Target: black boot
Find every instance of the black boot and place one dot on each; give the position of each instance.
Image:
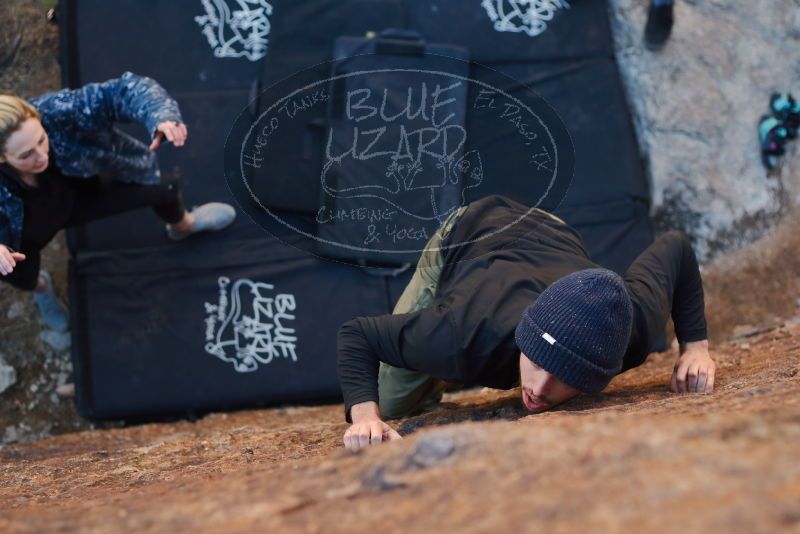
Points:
(787, 110)
(659, 25)
(772, 135)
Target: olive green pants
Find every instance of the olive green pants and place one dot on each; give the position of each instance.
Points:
(402, 391)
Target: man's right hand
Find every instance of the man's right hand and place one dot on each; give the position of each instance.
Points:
(367, 428)
(8, 260)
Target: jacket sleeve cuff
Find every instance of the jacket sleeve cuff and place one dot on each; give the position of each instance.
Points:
(690, 336)
(349, 403)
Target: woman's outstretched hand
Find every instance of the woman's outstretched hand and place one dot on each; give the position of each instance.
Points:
(175, 132)
(8, 260)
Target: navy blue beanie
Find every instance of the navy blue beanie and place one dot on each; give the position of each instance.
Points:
(578, 329)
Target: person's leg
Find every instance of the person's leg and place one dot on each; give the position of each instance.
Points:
(97, 199)
(54, 313)
(181, 223)
(402, 391)
(209, 217)
(28, 277)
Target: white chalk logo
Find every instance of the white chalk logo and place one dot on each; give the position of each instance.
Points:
(529, 16)
(249, 324)
(235, 32)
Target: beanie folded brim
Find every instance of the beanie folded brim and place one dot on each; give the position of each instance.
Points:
(555, 358)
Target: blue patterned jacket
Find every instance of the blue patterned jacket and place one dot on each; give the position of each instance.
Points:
(84, 141)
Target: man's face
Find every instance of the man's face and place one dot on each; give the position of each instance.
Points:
(541, 390)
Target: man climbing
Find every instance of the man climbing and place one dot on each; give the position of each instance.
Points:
(506, 295)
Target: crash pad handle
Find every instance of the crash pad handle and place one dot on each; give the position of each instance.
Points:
(397, 41)
(385, 272)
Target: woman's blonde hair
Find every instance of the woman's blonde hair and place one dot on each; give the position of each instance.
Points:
(13, 112)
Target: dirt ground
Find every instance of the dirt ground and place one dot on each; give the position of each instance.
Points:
(634, 458)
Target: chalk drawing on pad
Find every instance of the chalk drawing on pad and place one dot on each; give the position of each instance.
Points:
(236, 29)
(522, 16)
(250, 324)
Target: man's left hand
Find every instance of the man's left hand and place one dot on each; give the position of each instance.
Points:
(175, 132)
(694, 371)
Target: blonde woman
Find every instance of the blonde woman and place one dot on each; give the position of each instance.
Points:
(62, 163)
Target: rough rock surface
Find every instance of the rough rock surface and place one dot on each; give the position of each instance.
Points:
(696, 106)
(753, 287)
(635, 458)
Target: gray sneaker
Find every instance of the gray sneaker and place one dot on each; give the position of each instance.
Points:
(66, 391)
(207, 218)
(58, 341)
(54, 314)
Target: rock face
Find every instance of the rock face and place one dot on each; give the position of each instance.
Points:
(696, 105)
(8, 375)
(635, 458)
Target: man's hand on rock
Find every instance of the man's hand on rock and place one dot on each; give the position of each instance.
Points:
(694, 371)
(367, 428)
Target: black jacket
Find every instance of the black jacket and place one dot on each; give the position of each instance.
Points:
(498, 258)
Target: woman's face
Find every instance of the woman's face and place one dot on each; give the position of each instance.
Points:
(27, 149)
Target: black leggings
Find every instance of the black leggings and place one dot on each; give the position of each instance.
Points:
(93, 200)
